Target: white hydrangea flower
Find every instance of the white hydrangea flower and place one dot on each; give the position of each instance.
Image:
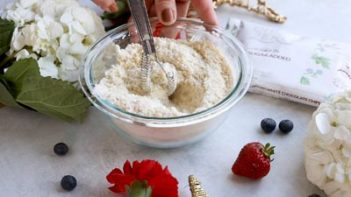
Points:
(328, 147)
(56, 32)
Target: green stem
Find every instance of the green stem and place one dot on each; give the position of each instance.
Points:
(139, 189)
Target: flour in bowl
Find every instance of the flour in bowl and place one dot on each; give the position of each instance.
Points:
(203, 74)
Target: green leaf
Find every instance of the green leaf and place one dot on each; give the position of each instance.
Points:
(20, 70)
(304, 81)
(6, 31)
(46, 95)
(53, 97)
(139, 189)
(6, 97)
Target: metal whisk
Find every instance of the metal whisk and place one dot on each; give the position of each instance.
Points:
(141, 20)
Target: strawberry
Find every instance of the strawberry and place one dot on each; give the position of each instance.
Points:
(254, 160)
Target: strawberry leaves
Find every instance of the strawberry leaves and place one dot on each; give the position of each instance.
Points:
(268, 150)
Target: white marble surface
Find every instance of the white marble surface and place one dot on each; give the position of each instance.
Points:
(28, 166)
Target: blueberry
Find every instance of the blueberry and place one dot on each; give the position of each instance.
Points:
(61, 149)
(314, 195)
(286, 126)
(268, 125)
(68, 182)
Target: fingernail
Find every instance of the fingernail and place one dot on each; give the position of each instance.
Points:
(167, 15)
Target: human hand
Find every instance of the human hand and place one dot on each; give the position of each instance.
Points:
(167, 11)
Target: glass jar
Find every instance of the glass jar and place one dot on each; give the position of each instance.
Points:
(166, 132)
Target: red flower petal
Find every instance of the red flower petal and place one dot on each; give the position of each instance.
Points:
(110, 176)
(119, 180)
(118, 188)
(149, 169)
(164, 185)
(135, 169)
(127, 168)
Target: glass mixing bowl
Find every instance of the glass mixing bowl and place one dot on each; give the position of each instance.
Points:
(175, 131)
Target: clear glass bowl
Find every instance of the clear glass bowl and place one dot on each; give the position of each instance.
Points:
(175, 131)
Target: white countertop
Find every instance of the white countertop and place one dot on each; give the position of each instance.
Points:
(28, 166)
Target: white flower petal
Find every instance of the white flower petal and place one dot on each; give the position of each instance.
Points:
(323, 123)
(73, 38)
(344, 117)
(330, 170)
(78, 48)
(22, 54)
(55, 30)
(346, 151)
(17, 42)
(342, 133)
(29, 3)
(331, 187)
(48, 67)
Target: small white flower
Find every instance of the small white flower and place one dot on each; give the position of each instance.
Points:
(49, 29)
(24, 36)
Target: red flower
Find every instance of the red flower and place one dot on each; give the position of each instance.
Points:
(161, 181)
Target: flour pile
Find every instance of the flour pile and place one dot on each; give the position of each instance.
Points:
(204, 79)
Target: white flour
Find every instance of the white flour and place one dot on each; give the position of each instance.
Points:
(204, 79)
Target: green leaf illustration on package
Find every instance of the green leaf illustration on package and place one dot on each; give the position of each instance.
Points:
(304, 81)
(46, 95)
(320, 60)
(309, 75)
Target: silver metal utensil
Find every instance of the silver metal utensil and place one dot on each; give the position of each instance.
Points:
(142, 23)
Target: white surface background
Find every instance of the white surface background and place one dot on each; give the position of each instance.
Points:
(28, 166)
